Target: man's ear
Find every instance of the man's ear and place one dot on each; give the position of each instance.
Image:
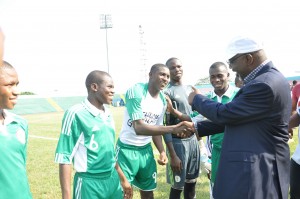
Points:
(250, 59)
(94, 87)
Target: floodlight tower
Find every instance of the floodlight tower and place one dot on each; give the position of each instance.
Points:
(105, 23)
(143, 54)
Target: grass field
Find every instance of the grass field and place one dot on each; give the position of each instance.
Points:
(43, 172)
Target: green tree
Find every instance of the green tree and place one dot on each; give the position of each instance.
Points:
(27, 93)
(202, 81)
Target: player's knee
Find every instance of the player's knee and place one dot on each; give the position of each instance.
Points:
(178, 188)
(191, 180)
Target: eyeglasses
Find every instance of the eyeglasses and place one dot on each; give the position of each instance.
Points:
(230, 61)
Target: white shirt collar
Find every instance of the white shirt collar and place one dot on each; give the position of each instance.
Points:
(228, 92)
(93, 109)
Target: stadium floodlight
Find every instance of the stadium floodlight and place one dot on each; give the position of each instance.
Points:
(105, 23)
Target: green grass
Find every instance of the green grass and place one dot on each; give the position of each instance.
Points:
(43, 172)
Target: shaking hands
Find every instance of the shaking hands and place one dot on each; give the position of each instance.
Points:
(184, 129)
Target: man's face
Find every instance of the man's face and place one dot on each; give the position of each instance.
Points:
(239, 64)
(8, 88)
(160, 78)
(105, 91)
(176, 71)
(219, 78)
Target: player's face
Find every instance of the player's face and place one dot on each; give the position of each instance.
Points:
(8, 88)
(219, 78)
(105, 91)
(161, 78)
(176, 71)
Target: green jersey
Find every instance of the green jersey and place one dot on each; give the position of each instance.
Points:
(13, 138)
(87, 138)
(141, 105)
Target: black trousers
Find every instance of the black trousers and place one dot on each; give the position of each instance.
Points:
(295, 180)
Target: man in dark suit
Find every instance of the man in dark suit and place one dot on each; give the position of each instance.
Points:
(255, 155)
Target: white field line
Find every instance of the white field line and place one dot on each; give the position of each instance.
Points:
(42, 137)
(155, 151)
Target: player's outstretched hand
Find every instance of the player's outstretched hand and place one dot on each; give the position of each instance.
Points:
(184, 129)
(163, 159)
(192, 95)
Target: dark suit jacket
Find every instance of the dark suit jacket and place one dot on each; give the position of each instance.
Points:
(255, 157)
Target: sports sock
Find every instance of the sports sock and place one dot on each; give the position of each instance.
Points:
(189, 190)
(175, 193)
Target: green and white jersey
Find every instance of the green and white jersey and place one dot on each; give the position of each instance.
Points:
(13, 146)
(141, 105)
(87, 138)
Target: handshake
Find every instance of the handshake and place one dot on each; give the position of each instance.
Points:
(184, 129)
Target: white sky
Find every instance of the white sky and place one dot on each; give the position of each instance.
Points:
(54, 44)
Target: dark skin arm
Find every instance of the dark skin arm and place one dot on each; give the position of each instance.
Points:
(157, 140)
(127, 189)
(175, 112)
(294, 121)
(65, 171)
(141, 128)
(175, 162)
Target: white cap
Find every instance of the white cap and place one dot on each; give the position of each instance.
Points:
(243, 44)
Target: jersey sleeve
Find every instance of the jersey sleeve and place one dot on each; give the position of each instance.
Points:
(23, 133)
(133, 103)
(69, 136)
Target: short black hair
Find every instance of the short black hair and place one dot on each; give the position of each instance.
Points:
(155, 67)
(95, 76)
(171, 59)
(218, 64)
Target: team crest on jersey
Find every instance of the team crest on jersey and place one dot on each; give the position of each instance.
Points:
(20, 135)
(177, 178)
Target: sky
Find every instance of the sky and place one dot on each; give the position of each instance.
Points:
(54, 44)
